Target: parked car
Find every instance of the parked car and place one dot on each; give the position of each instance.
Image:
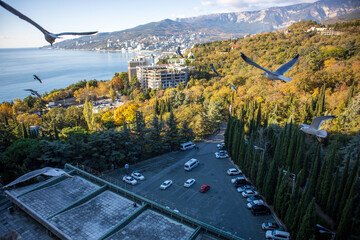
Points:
(220, 146)
(204, 188)
(189, 182)
(241, 183)
(255, 202)
(234, 180)
(260, 210)
(244, 188)
(138, 176)
(269, 226)
(186, 146)
(234, 171)
(129, 180)
(221, 154)
(249, 193)
(166, 184)
(277, 234)
(253, 198)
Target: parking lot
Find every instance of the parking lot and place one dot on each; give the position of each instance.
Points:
(222, 206)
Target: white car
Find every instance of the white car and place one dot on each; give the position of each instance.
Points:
(253, 198)
(138, 176)
(189, 182)
(255, 202)
(220, 145)
(166, 184)
(236, 179)
(244, 188)
(249, 193)
(221, 154)
(129, 179)
(277, 234)
(234, 171)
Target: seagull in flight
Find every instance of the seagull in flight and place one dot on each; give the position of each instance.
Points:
(179, 52)
(278, 74)
(50, 37)
(213, 69)
(315, 125)
(47, 171)
(37, 78)
(233, 87)
(33, 92)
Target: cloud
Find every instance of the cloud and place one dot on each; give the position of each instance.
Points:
(207, 3)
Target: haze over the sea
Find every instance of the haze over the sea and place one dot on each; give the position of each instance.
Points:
(56, 68)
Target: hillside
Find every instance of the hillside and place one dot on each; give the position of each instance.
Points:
(212, 27)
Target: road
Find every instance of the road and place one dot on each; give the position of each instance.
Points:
(222, 206)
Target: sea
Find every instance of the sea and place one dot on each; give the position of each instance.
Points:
(56, 68)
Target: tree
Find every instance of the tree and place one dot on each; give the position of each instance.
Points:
(172, 132)
(88, 114)
(112, 94)
(308, 222)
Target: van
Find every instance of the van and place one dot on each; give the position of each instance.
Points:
(192, 163)
(186, 146)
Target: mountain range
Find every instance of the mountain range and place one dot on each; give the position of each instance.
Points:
(216, 26)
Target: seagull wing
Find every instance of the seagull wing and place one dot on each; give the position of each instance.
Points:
(28, 176)
(233, 87)
(251, 62)
(214, 70)
(75, 33)
(22, 16)
(316, 122)
(286, 67)
(37, 78)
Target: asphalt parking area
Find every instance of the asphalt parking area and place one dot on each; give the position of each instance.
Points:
(221, 206)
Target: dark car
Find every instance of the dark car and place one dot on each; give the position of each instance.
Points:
(260, 210)
(204, 188)
(240, 183)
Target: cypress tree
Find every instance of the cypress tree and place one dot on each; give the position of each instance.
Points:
(325, 186)
(350, 94)
(24, 131)
(314, 172)
(261, 172)
(293, 206)
(320, 105)
(347, 190)
(291, 152)
(258, 117)
(271, 181)
(242, 150)
(299, 156)
(332, 194)
(340, 188)
(308, 222)
(282, 195)
(56, 134)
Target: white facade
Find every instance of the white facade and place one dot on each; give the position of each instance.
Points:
(166, 76)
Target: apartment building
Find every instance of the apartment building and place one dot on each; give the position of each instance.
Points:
(139, 61)
(166, 76)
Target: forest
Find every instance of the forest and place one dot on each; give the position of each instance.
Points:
(325, 81)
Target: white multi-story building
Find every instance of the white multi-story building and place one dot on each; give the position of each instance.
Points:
(166, 76)
(139, 61)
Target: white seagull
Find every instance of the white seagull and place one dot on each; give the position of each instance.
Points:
(278, 74)
(47, 171)
(50, 37)
(315, 125)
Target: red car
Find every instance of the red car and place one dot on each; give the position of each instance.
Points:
(204, 188)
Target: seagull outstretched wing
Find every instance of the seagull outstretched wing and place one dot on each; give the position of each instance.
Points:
(286, 67)
(179, 52)
(251, 62)
(33, 92)
(37, 78)
(50, 37)
(213, 69)
(316, 122)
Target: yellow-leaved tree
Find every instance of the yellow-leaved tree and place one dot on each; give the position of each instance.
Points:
(126, 113)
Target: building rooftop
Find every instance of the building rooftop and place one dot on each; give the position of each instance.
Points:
(87, 207)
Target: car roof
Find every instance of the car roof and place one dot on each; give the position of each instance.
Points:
(282, 233)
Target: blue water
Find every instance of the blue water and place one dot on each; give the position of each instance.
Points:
(56, 68)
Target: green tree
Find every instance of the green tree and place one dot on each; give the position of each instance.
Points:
(172, 132)
(88, 115)
(308, 222)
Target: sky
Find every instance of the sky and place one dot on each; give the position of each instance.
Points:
(107, 15)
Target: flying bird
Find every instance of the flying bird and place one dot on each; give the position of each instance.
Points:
(179, 52)
(37, 78)
(50, 37)
(278, 74)
(233, 87)
(315, 125)
(213, 69)
(47, 171)
(33, 92)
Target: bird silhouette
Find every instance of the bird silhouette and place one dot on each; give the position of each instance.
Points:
(179, 52)
(33, 92)
(278, 74)
(213, 69)
(50, 37)
(37, 78)
(315, 125)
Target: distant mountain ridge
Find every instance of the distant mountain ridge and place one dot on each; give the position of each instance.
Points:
(215, 26)
(275, 18)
